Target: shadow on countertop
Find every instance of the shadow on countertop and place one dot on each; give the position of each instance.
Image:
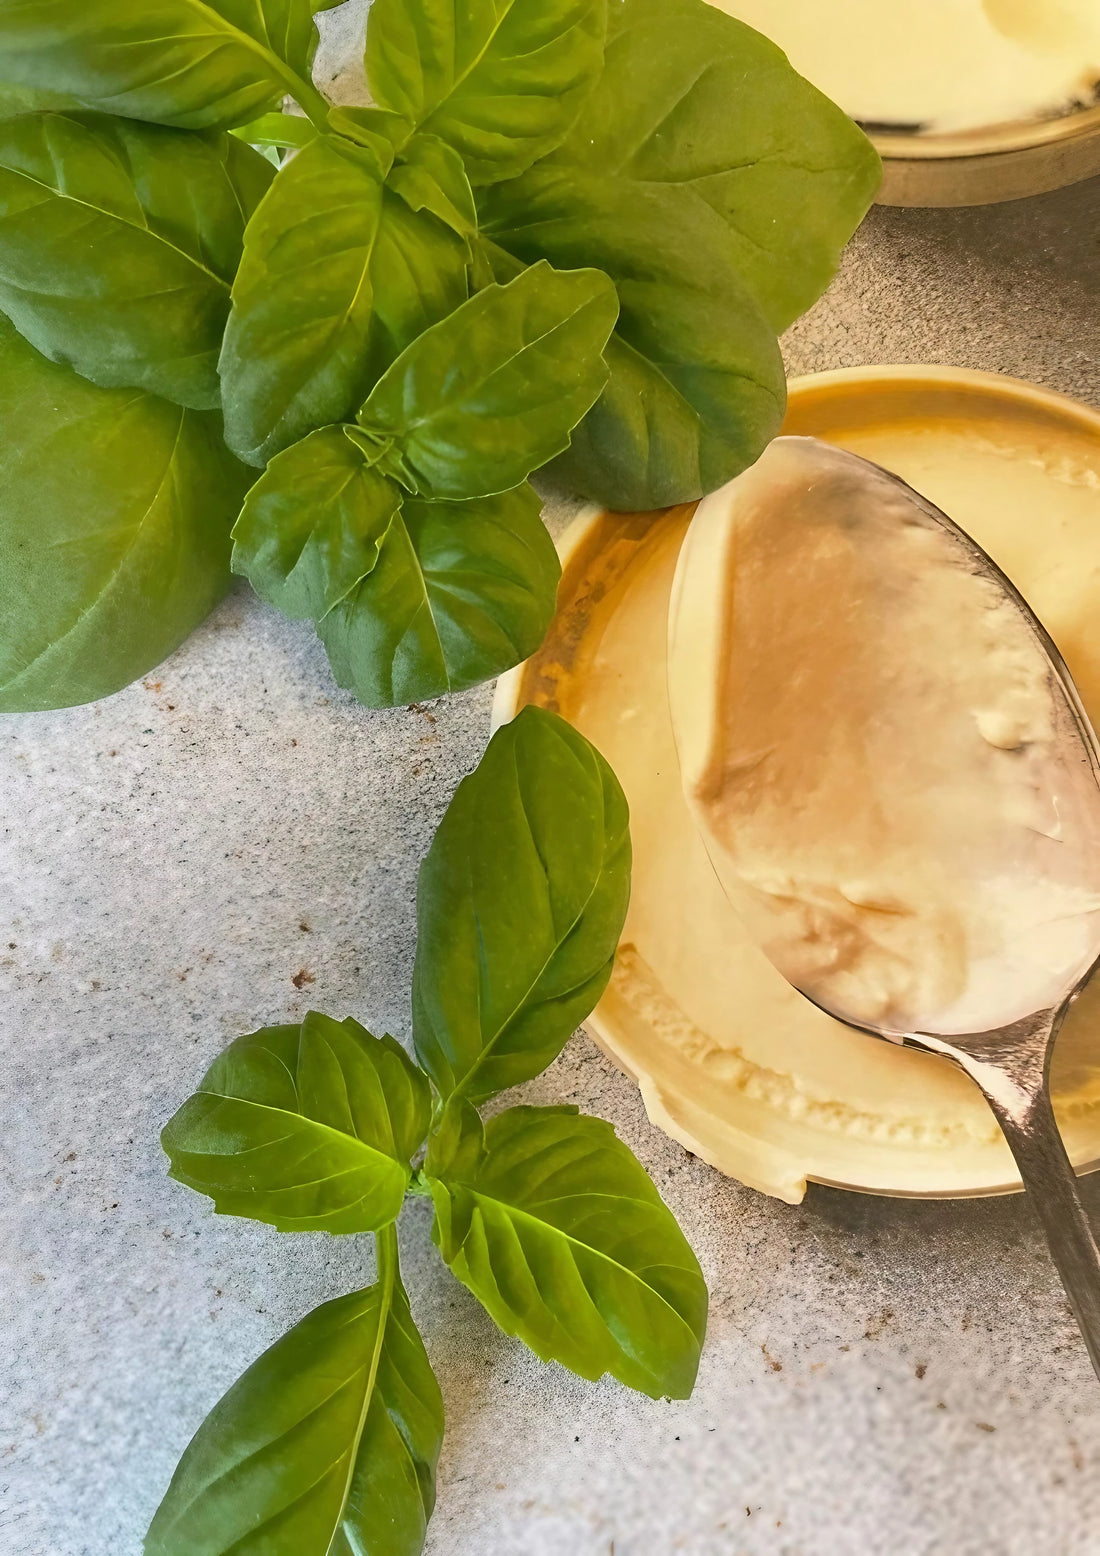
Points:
(1012, 288)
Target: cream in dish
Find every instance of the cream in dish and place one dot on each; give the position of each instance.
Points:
(885, 769)
(938, 65)
(730, 1059)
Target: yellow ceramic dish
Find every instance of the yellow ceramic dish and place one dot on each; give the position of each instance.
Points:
(984, 167)
(731, 1062)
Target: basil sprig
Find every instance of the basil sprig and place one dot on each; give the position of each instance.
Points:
(536, 1190)
(371, 530)
(329, 1441)
(460, 591)
(115, 536)
(338, 276)
(330, 1114)
(197, 64)
(655, 152)
(101, 268)
(717, 188)
(519, 908)
(499, 80)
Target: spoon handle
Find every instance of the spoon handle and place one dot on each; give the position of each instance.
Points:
(1017, 1090)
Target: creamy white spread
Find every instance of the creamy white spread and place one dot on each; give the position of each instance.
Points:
(882, 763)
(939, 65)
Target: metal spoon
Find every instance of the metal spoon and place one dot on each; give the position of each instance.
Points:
(808, 549)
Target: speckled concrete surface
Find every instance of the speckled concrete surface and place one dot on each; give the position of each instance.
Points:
(234, 841)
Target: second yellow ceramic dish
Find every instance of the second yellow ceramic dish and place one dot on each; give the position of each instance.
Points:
(984, 167)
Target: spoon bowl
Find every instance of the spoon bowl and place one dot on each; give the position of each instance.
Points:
(897, 785)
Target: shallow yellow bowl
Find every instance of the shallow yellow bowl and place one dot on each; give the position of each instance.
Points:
(986, 166)
(731, 1062)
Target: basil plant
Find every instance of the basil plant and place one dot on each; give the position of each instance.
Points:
(328, 1443)
(564, 235)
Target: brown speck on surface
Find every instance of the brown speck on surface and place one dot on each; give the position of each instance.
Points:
(984, 1426)
(304, 927)
(300, 979)
(112, 753)
(418, 707)
(500, 1486)
(875, 1326)
(967, 1320)
(776, 1366)
(920, 1369)
(294, 742)
(1078, 1456)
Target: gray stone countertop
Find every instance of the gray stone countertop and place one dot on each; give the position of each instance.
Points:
(234, 841)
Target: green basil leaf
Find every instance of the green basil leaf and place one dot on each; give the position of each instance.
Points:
(461, 592)
(326, 1446)
(493, 391)
(338, 276)
(313, 524)
(699, 158)
(115, 510)
(520, 903)
(29, 99)
(697, 386)
(286, 26)
(309, 1128)
(197, 64)
(499, 80)
(691, 99)
(498, 264)
(562, 1237)
(382, 131)
(118, 246)
(278, 129)
(431, 176)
